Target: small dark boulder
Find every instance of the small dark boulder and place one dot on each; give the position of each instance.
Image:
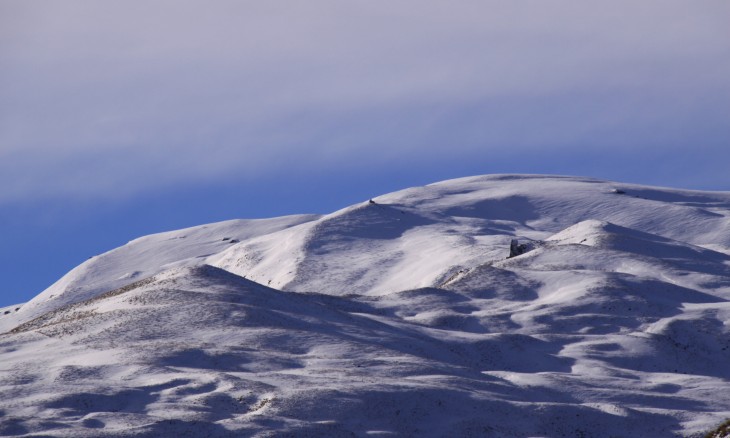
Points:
(516, 248)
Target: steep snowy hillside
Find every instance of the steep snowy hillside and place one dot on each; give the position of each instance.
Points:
(399, 316)
(144, 257)
(420, 236)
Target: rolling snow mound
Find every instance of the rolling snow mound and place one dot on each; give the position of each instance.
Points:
(398, 316)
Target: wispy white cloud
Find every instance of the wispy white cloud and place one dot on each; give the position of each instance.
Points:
(105, 98)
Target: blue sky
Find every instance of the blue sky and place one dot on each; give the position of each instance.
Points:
(123, 118)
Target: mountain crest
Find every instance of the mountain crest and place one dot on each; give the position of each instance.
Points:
(401, 315)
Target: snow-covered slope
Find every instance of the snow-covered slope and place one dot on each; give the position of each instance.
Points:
(417, 237)
(402, 316)
(145, 257)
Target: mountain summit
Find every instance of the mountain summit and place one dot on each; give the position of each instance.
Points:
(403, 315)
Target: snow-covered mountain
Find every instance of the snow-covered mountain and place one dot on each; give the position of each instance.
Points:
(398, 316)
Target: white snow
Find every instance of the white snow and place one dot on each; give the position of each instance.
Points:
(402, 317)
(144, 257)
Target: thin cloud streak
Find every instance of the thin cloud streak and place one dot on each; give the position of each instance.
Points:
(113, 98)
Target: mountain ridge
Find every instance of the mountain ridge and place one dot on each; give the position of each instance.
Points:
(399, 315)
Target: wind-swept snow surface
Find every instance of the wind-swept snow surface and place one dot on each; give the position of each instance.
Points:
(397, 317)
